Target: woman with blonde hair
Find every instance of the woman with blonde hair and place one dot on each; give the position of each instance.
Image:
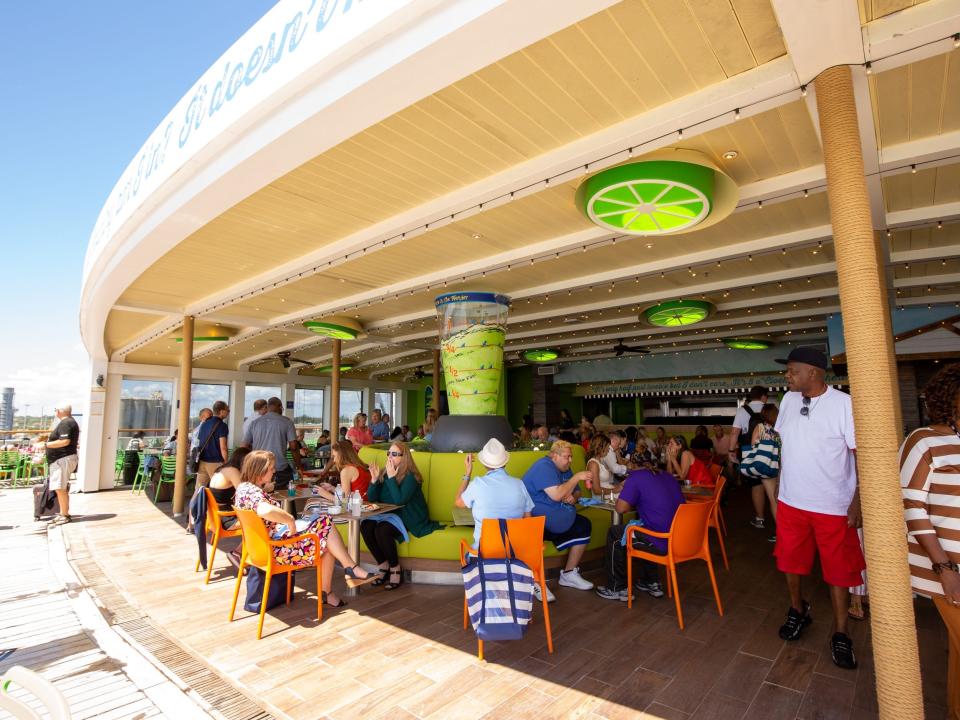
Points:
(256, 482)
(398, 483)
(360, 434)
(352, 471)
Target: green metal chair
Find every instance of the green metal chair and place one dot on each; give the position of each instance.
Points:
(10, 466)
(168, 473)
(140, 479)
(118, 466)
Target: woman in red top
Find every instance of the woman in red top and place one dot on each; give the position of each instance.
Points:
(353, 473)
(360, 434)
(685, 465)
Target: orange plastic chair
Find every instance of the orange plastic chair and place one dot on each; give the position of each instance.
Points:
(525, 536)
(716, 517)
(687, 540)
(214, 525)
(258, 552)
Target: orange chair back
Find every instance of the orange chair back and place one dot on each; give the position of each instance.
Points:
(256, 542)
(718, 488)
(716, 471)
(688, 531)
(525, 536)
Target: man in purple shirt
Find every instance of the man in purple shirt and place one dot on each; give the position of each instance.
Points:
(655, 495)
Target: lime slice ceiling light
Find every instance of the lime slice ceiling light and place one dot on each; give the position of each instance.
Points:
(329, 368)
(208, 333)
(540, 356)
(677, 313)
(336, 328)
(747, 343)
(671, 191)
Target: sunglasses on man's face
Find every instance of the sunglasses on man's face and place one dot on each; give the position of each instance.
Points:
(394, 453)
(805, 410)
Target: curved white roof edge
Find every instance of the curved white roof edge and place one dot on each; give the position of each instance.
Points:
(308, 75)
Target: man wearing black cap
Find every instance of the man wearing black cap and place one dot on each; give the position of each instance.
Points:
(818, 509)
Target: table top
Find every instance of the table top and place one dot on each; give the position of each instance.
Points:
(697, 491)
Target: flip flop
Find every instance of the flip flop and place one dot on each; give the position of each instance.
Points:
(853, 615)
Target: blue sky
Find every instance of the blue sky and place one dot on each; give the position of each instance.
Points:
(84, 85)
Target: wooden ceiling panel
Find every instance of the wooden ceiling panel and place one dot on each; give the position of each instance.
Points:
(933, 186)
(873, 9)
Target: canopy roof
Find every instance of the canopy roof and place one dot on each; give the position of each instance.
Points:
(473, 187)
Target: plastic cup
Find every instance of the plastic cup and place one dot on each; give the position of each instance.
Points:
(472, 332)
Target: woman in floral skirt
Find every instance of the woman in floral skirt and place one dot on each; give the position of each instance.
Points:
(256, 482)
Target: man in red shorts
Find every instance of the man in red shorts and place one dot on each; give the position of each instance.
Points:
(818, 509)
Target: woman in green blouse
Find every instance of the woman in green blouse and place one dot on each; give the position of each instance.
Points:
(396, 484)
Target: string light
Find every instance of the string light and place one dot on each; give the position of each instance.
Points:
(869, 67)
(806, 193)
(760, 204)
(680, 134)
(913, 169)
(803, 91)
(736, 114)
(939, 224)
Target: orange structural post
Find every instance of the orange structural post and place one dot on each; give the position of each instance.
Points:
(873, 386)
(183, 416)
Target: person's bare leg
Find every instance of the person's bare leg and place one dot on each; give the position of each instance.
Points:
(338, 550)
(840, 598)
(63, 497)
(326, 577)
(574, 557)
(770, 488)
(757, 494)
(793, 586)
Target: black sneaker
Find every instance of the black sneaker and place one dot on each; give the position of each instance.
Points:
(841, 649)
(796, 622)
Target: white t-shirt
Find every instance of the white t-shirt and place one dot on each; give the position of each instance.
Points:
(817, 470)
(741, 420)
(611, 464)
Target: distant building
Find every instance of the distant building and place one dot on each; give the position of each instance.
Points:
(6, 409)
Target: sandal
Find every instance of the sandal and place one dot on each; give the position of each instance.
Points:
(342, 603)
(398, 573)
(354, 580)
(382, 578)
(856, 613)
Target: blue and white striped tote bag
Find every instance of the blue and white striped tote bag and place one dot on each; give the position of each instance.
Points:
(499, 594)
(763, 459)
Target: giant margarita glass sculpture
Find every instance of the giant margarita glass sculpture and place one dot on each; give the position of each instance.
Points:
(472, 332)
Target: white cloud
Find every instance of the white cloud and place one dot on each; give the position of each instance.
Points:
(43, 386)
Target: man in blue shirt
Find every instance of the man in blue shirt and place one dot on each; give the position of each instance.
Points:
(378, 428)
(212, 439)
(554, 489)
(655, 495)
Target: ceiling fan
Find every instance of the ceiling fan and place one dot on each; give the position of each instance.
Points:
(620, 348)
(418, 374)
(284, 357)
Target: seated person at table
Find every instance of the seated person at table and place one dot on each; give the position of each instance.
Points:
(701, 445)
(655, 495)
(379, 428)
(539, 434)
(398, 434)
(352, 471)
(685, 465)
(360, 434)
(224, 484)
(396, 484)
(252, 494)
(554, 490)
(601, 479)
(614, 460)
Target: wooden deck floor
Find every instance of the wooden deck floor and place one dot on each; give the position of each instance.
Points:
(404, 654)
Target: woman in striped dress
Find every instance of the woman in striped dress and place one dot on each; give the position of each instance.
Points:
(930, 481)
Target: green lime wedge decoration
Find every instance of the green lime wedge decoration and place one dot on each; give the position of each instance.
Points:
(331, 330)
(678, 313)
(329, 368)
(747, 343)
(541, 356)
(648, 198)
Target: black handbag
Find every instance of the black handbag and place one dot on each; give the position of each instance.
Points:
(193, 462)
(278, 590)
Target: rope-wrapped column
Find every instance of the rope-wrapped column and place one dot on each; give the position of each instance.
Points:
(183, 417)
(873, 387)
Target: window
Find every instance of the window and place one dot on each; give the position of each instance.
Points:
(257, 392)
(308, 412)
(145, 406)
(383, 400)
(351, 401)
(204, 395)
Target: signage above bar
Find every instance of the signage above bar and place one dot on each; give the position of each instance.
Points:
(691, 386)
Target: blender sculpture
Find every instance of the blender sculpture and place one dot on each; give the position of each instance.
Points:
(472, 333)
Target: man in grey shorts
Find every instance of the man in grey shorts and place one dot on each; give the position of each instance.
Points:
(61, 449)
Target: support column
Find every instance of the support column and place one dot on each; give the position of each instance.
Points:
(872, 385)
(335, 391)
(91, 440)
(238, 400)
(288, 392)
(436, 380)
(183, 416)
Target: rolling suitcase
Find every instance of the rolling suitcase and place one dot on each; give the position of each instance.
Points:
(44, 501)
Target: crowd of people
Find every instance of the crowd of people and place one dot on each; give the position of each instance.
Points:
(809, 479)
